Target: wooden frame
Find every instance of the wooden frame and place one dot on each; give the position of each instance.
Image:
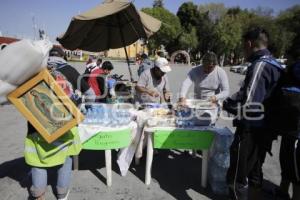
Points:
(46, 106)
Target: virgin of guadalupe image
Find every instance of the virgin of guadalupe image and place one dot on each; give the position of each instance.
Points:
(47, 107)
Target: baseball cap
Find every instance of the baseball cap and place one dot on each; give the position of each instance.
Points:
(57, 51)
(162, 64)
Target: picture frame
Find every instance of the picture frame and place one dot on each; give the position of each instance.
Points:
(46, 106)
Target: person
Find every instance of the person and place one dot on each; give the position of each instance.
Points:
(98, 81)
(42, 156)
(210, 81)
(153, 84)
(290, 126)
(99, 62)
(145, 64)
(251, 105)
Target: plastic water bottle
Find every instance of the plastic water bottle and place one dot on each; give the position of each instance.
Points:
(221, 159)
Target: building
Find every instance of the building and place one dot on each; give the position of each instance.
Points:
(78, 55)
(132, 50)
(7, 40)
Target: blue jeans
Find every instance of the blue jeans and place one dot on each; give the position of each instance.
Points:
(39, 179)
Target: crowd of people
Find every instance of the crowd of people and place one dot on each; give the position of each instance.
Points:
(266, 84)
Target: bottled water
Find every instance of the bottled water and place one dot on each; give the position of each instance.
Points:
(222, 159)
(222, 143)
(217, 178)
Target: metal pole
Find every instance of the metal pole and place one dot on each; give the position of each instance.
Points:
(123, 41)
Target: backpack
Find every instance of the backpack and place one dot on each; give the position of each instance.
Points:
(88, 71)
(285, 105)
(66, 85)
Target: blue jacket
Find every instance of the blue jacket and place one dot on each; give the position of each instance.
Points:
(257, 91)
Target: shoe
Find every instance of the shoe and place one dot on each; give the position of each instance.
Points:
(38, 198)
(66, 197)
(281, 195)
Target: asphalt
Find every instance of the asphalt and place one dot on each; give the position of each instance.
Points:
(175, 174)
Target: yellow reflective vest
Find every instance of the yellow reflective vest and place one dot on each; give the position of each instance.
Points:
(39, 153)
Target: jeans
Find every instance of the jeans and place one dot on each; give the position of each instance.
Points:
(39, 179)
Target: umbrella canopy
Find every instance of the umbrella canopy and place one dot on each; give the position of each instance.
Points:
(110, 25)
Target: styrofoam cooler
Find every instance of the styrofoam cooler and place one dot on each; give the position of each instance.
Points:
(204, 113)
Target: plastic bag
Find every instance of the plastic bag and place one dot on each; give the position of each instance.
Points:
(20, 61)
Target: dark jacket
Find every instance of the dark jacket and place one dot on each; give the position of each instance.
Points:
(256, 93)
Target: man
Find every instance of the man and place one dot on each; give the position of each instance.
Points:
(37, 149)
(253, 137)
(153, 85)
(99, 62)
(98, 80)
(289, 120)
(210, 81)
(145, 64)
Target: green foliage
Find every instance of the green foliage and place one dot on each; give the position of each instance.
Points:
(228, 32)
(206, 34)
(188, 40)
(213, 27)
(158, 3)
(188, 15)
(169, 31)
(216, 10)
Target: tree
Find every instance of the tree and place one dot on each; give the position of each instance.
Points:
(188, 15)
(263, 11)
(216, 10)
(228, 32)
(158, 3)
(206, 34)
(169, 30)
(188, 40)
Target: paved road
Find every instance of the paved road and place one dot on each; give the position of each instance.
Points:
(176, 175)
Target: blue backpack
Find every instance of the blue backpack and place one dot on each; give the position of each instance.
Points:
(287, 105)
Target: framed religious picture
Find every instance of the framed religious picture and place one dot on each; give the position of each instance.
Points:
(46, 106)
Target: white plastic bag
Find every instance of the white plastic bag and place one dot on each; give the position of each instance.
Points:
(20, 61)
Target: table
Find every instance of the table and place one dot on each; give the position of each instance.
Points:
(196, 138)
(107, 138)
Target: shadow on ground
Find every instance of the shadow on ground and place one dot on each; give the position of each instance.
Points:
(176, 173)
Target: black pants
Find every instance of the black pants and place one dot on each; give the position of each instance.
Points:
(290, 159)
(247, 154)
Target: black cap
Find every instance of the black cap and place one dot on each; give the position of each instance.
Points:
(57, 51)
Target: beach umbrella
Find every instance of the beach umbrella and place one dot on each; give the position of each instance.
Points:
(110, 25)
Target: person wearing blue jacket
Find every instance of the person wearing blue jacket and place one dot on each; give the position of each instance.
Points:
(251, 106)
(289, 105)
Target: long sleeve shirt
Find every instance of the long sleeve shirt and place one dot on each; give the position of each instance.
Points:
(206, 85)
(257, 90)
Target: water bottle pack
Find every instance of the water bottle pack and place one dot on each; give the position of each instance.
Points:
(108, 117)
(184, 118)
(217, 177)
(219, 161)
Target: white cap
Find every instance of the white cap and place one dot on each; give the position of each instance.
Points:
(162, 64)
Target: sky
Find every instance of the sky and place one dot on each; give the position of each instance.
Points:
(17, 16)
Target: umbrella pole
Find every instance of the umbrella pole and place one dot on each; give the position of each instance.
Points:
(130, 72)
(123, 41)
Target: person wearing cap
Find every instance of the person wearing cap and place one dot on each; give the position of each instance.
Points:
(153, 84)
(210, 81)
(145, 64)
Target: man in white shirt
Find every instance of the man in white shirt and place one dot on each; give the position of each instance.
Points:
(153, 84)
(210, 81)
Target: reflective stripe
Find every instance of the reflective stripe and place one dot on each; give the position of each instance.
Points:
(236, 170)
(258, 71)
(30, 150)
(295, 160)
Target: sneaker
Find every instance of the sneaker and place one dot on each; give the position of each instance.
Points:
(38, 198)
(280, 195)
(66, 197)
